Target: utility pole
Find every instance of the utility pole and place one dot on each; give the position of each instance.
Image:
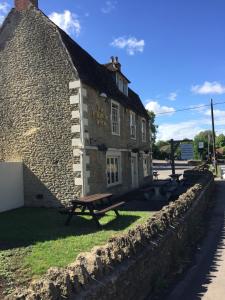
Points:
(214, 137)
(172, 158)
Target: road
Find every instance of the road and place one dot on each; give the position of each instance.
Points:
(164, 169)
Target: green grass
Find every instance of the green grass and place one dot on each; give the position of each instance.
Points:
(33, 240)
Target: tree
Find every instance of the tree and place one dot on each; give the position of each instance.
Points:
(207, 138)
(220, 141)
(153, 126)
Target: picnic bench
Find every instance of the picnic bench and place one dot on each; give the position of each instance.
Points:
(94, 205)
(175, 177)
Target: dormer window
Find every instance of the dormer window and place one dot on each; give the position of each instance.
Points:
(122, 84)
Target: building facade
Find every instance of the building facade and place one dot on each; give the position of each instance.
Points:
(74, 123)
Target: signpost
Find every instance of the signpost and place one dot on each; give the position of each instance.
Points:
(173, 146)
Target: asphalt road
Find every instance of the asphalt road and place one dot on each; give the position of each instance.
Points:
(164, 169)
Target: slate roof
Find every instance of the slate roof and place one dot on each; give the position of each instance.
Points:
(99, 77)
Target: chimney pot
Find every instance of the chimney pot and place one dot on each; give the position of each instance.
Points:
(24, 4)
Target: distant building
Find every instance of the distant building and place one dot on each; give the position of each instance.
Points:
(74, 123)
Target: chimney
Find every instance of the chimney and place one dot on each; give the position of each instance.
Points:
(117, 63)
(24, 4)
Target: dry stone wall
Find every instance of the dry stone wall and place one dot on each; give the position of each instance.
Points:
(133, 265)
(35, 112)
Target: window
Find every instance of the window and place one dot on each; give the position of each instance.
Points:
(125, 88)
(145, 166)
(115, 118)
(122, 84)
(113, 169)
(132, 125)
(143, 130)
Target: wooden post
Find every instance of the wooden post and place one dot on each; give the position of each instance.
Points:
(214, 137)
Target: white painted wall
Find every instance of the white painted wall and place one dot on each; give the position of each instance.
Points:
(11, 185)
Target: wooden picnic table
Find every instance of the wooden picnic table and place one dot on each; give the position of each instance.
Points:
(157, 187)
(94, 205)
(175, 177)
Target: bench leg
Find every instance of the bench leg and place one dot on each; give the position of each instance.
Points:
(116, 212)
(70, 215)
(94, 217)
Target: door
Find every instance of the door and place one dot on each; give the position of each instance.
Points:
(134, 170)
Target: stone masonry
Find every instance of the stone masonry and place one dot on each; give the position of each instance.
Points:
(34, 106)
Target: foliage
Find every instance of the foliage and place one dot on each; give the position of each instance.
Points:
(33, 240)
(153, 126)
(206, 137)
(220, 141)
(162, 150)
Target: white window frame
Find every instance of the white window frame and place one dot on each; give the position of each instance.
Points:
(114, 155)
(143, 130)
(118, 123)
(145, 166)
(133, 125)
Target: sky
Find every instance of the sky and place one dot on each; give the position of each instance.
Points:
(172, 51)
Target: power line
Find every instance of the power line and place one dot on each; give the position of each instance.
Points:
(190, 108)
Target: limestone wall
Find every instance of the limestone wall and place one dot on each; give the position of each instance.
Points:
(35, 113)
(134, 265)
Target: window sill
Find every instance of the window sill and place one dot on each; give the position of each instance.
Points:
(114, 184)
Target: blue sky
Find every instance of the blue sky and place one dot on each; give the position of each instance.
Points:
(173, 52)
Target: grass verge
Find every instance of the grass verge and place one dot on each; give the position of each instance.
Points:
(33, 240)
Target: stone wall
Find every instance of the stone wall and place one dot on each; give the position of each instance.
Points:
(132, 266)
(35, 112)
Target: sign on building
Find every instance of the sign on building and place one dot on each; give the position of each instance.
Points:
(200, 145)
(187, 151)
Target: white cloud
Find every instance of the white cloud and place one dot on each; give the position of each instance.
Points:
(217, 113)
(68, 21)
(172, 96)
(189, 129)
(4, 9)
(131, 44)
(208, 88)
(109, 6)
(179, 131)
(157, 108)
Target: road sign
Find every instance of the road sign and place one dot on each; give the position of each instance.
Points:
(187, 151)
(200, 145)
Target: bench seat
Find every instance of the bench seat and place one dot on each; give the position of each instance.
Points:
(111, 207)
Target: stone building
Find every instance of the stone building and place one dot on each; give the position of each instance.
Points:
(73, 122)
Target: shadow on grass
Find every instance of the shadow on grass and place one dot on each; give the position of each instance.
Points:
(26, 226)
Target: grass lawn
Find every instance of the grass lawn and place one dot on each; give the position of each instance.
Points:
(33, 240)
